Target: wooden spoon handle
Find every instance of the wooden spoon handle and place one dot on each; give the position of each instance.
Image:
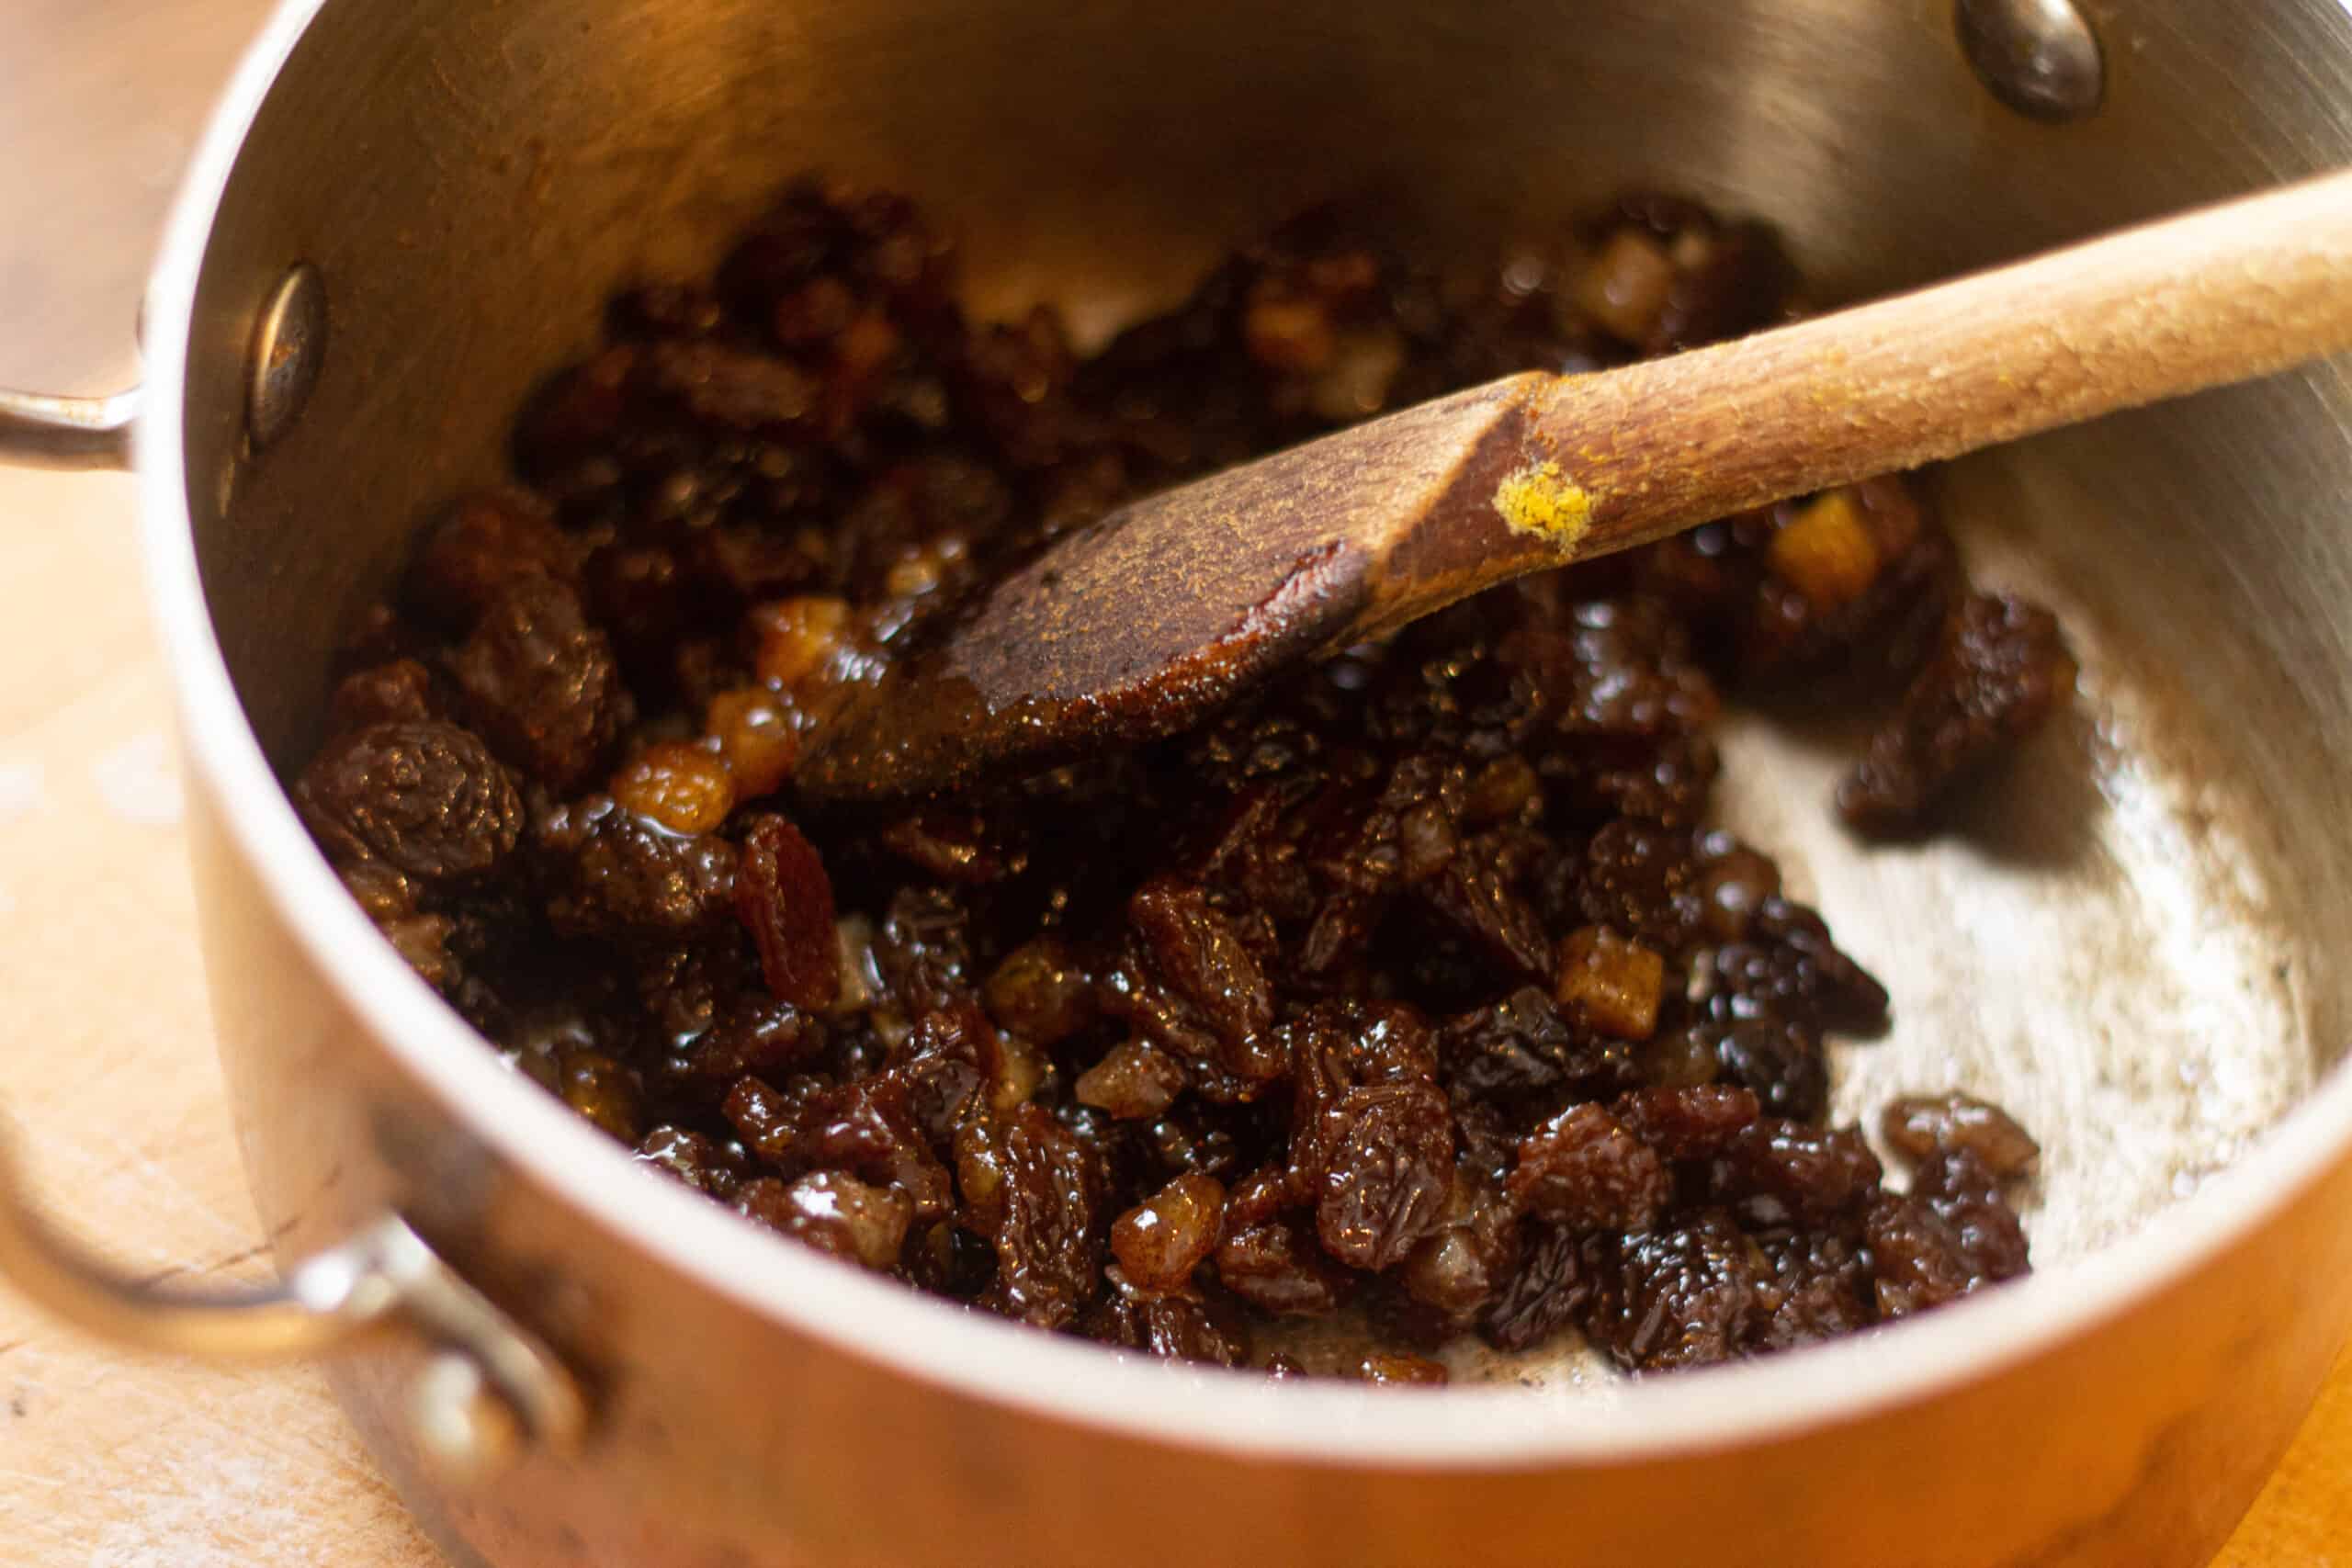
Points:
(2220, 295)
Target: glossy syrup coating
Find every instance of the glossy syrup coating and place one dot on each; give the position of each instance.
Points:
(1415, 983)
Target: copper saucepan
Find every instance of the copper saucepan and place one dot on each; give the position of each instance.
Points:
(402, 213)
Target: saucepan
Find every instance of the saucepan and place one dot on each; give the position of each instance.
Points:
(402, 213)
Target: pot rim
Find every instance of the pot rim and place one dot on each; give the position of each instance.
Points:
(1002, 1364)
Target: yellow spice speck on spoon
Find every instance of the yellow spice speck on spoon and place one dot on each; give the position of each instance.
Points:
(1540, 501)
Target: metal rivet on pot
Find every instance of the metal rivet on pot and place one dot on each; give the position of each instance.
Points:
(2040, 57)
(462, 1425)
(290, 341)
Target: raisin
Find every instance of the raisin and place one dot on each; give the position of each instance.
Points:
(691, 1158)
(602, 1090)
(1028, 1186)
(833, 1213)
(2001, 670)
(1917, 1259)
(1641, 880)
(1010, 378)
(1521, 1047)
(428, 799)
(1161, 1240)
(1179, 1327)
(713, 384)
(1117, 1148)
(1779, 1062)
(1778, 1172)
(1683, 1295)
(1210, 1000)
(1378, 1162)
(617, 875)
(1815, 976)
(946, 1259)
(397, 693)
(1967, 1192)
(1041, 992)
(1472, 1254)
(1549, 1289)
(757, 1034)
(1191, 1138)
(1402, 832)
(484, 544)
(1683, 1058)
(952, 846)
(1951, 1236)
(771, 1121)
(923, 950)
(1334, 1047)
(384, 893)
(1687, 1122)
(869, 1127)
(1267, 1254)
(1275, 1268)
(865, 1127)
(1821, 1287)
(1504, 790)
(1921, 1126)
(423, 943)
(1135, 1081)
(1474, 897)
(1372, 1135)
(1584, 1170)
(1612, 670)
(784, 901)
(952, 1057)
(539, 683)
(1734, 883)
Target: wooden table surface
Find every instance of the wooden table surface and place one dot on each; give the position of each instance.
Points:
(108, 1075)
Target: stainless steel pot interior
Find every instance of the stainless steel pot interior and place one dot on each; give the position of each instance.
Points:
(2129, 943)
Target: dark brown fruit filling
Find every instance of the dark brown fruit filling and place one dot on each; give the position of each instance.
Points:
(1416, 984)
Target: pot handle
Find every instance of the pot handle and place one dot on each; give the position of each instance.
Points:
(67, 432)
(489, 1389)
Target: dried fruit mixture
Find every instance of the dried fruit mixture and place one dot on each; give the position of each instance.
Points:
(1416, 987)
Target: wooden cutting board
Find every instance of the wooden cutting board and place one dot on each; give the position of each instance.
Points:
(107, 1072)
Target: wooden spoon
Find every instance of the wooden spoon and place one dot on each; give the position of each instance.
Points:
(1146, 621)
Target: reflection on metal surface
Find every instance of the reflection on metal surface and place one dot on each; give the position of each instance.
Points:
(289, 342)
(66, 433)
(462, 1425)
(2040, 57)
